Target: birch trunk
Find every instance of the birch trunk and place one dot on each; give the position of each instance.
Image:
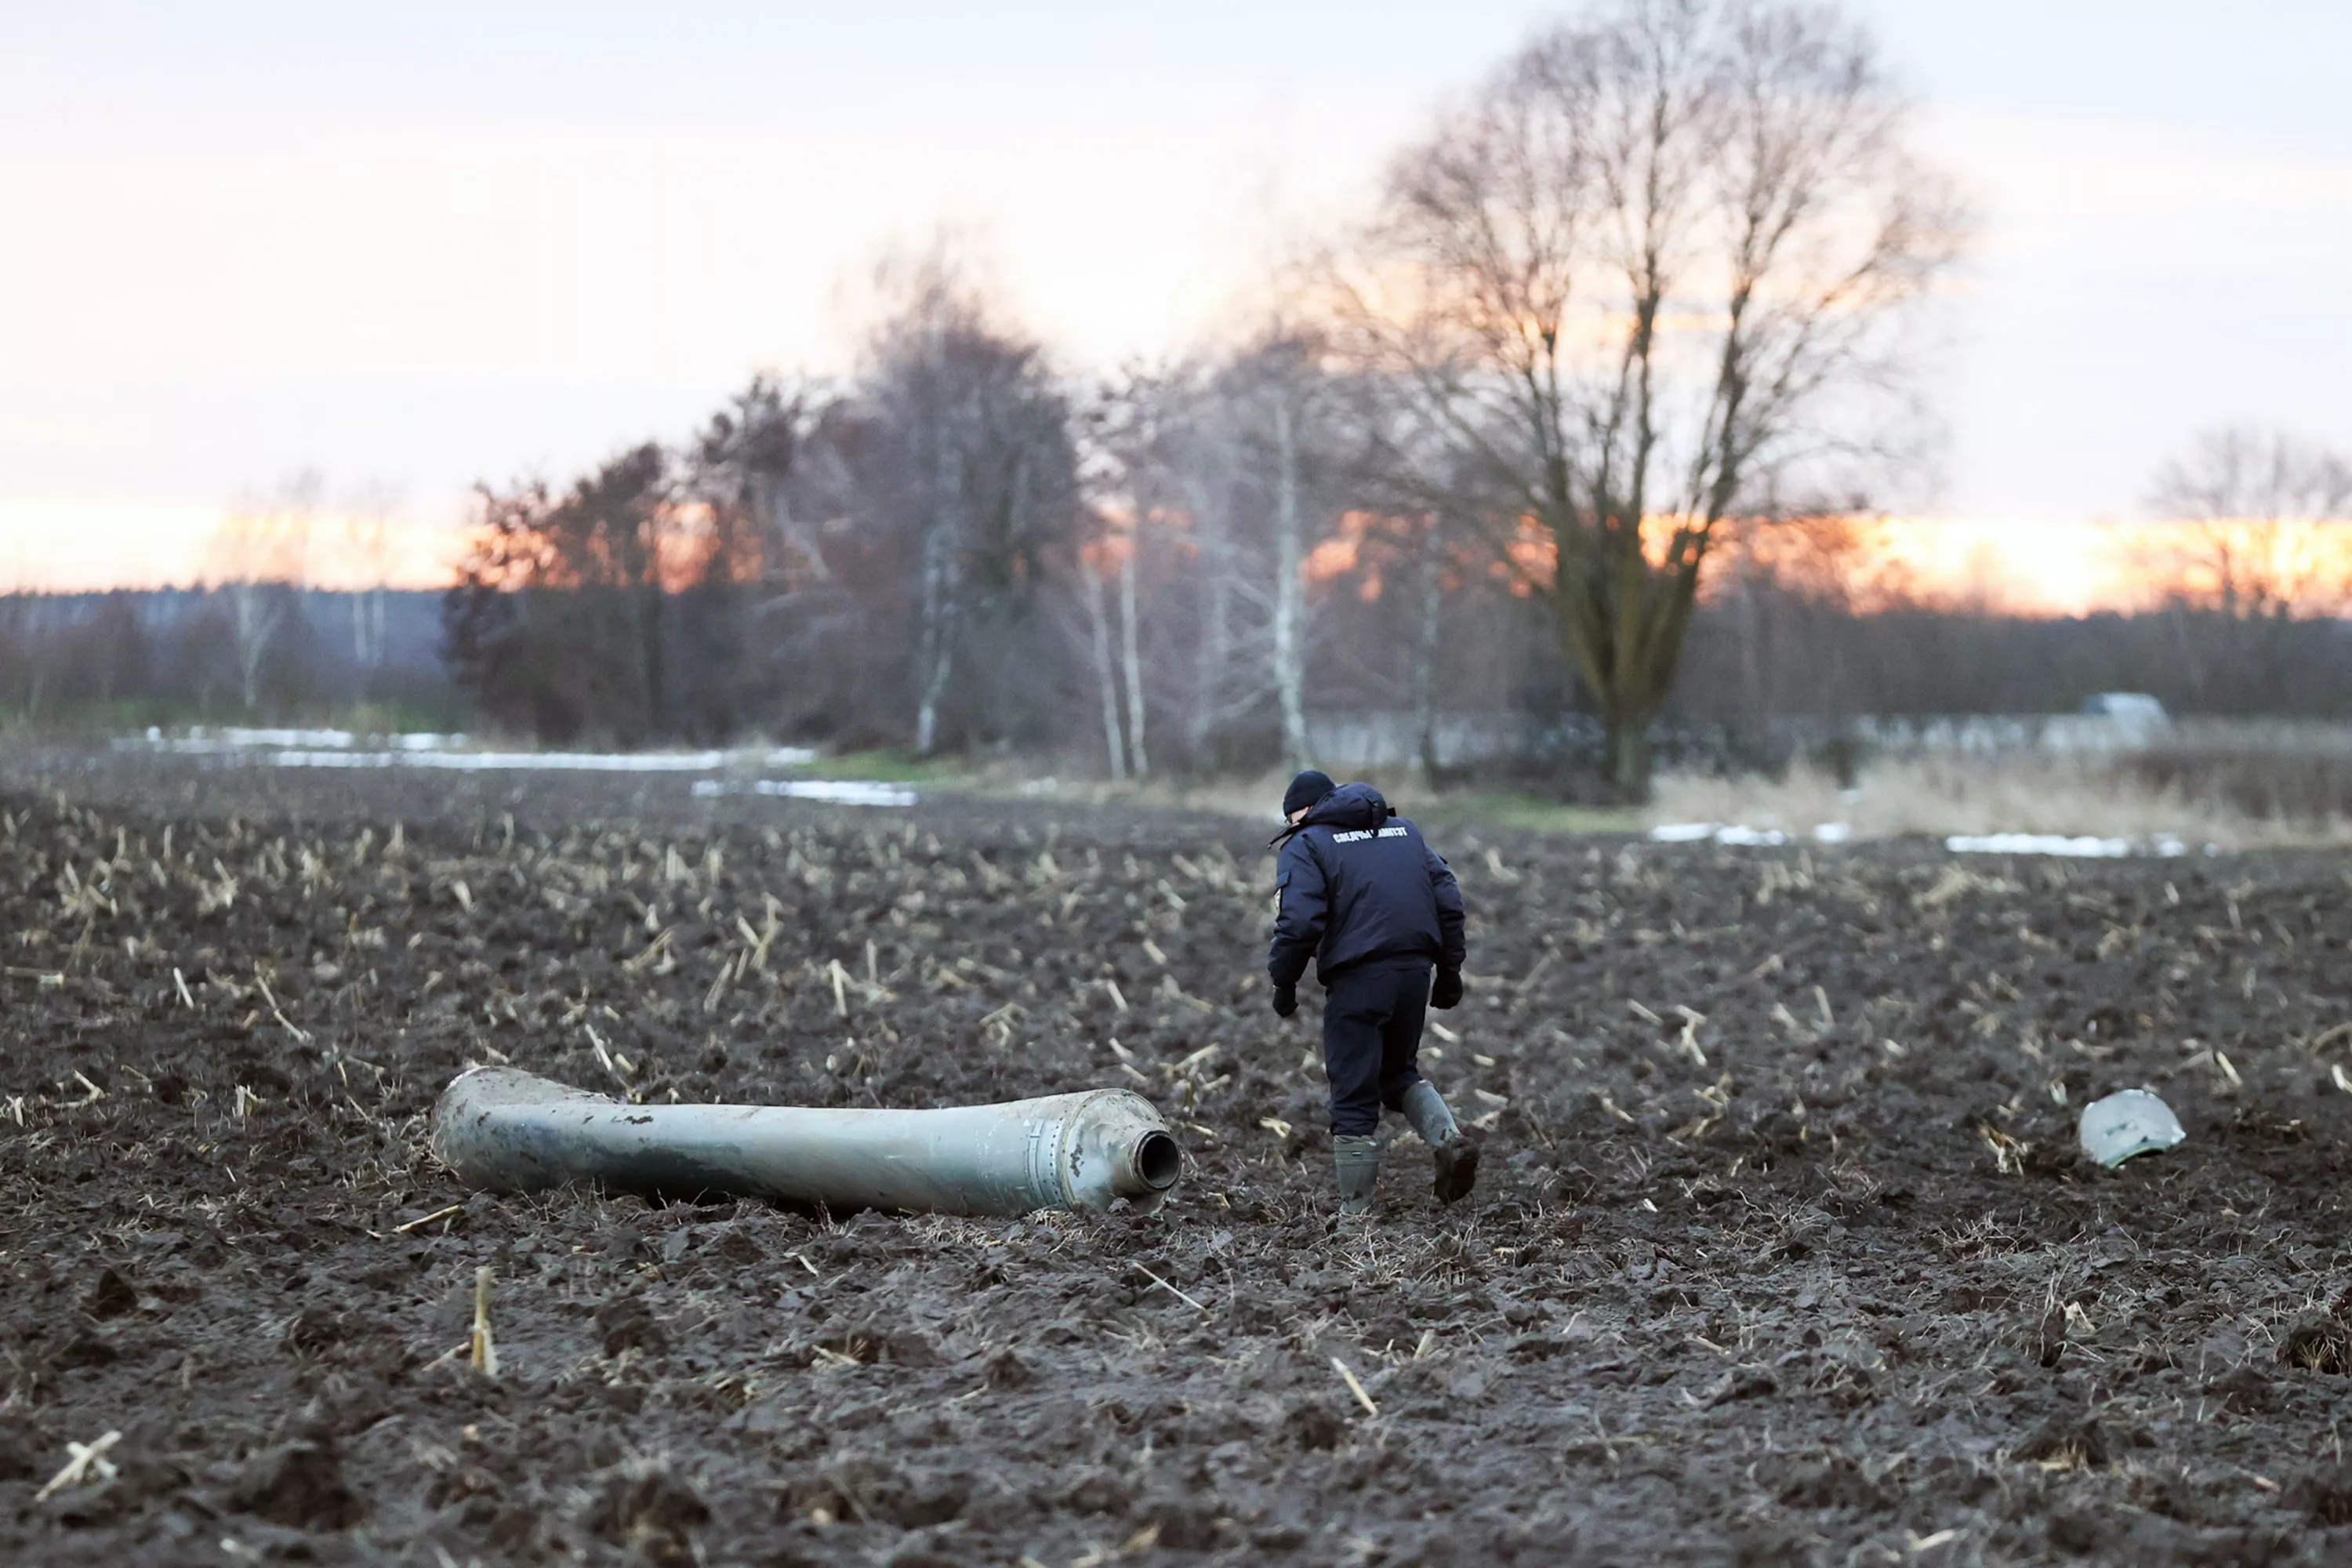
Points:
(1106, 685)
(1214, 651)
(1425, 651)
(938, 598)
(937, 642)
(254, 614)
(1137, 762)
(1290, 589)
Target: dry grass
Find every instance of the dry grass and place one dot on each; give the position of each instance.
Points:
(1257, 799)
(2018, 793)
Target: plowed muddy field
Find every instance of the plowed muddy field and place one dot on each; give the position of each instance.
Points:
(1782, 1253)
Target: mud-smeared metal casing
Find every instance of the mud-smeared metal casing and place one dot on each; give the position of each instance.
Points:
(505, 1130)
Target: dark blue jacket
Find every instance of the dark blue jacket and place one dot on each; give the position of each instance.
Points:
(1355, 884)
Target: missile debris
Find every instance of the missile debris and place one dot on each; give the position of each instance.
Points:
(505, 1130)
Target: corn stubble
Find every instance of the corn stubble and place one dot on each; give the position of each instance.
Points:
(1779, 1206)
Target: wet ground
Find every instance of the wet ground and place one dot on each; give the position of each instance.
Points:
(1782, 1253)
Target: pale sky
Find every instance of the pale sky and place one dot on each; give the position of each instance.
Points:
(421, 244)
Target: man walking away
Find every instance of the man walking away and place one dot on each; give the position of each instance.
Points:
(1362, 894)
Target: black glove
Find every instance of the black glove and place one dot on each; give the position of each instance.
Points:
(1285, 1001)
(1447, 992)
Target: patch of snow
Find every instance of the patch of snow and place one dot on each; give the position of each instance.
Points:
(832, 792)
(339, 748)
(2085, 847)
(201, 742)
(1734, 836)
(839, 792)
(1833, 832)
(511, 761)
(340, 740)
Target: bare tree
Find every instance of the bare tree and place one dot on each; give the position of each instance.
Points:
(1280, 418)
(1657, 274)
(2254, 534)
(1175, 465)
(1131, 647)
(257, 559)
(1428, 646)
(2259, 525)
(1165, 461)
(1229, 472)
(1289, 580)
(1122, 470)
(1212, 649)
(1106, 677)
(1171, 459)
(975, 460)
(560, 616)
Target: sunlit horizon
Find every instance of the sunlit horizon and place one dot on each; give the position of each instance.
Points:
(2039, 568)
(383, 249)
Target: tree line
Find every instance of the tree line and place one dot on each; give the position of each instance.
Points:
(181, 654)
(1658, 278)
(1582, 425)
(1633, 333)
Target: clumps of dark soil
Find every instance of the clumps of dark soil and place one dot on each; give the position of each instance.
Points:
(652, 1512)
(22, 1449)
(2067, 1441)
(2324, 1492)
(627, 1323)
(1781, 1250)
(1005, 1371)
(881, 1491)
(299, 1485)
(2320, 1341)
(1825, 1480)
(2245, 1390)
(111, 1297)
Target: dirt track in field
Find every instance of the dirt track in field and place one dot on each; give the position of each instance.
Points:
(1782, 1254)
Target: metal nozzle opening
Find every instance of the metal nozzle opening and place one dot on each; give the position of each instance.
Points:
(1158, 1161)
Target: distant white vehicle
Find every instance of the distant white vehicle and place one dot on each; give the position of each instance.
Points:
(2128, 707)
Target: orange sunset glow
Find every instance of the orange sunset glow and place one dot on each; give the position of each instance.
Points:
(89, 546)
(2037, 568)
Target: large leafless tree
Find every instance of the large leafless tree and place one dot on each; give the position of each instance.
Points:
(1658, 274)
(1213, 481)
(972, 463)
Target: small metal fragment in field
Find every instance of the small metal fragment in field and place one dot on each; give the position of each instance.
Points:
(2134, 1122)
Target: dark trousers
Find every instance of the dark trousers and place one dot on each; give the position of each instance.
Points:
(1371, 1035)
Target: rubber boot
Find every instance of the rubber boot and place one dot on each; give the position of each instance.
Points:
(1456, 1157)
(1358, 1163)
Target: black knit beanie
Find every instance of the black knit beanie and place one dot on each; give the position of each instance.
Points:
(1307, 789)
